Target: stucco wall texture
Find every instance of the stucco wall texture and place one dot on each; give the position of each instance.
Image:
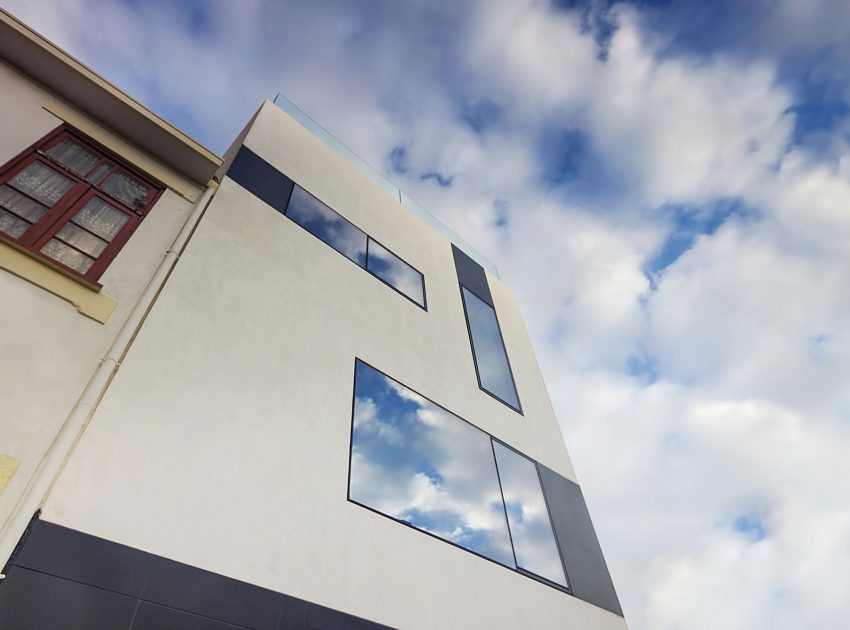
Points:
(223, 441)
(50, 350)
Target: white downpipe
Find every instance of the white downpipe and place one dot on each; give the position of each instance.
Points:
(51, 465)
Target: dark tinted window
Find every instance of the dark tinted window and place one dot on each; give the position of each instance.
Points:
(416, 462)
(327, 225)
(491, 359)
(382, 263)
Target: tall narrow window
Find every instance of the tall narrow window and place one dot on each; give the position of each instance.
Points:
(331, 228)
(488, 349)
(70, 202)
(528, 517)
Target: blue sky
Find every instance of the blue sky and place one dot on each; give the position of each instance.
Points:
(665, 185)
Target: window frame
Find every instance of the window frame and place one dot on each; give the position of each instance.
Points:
(369, 238)
(568, 589)
(82, 192)
(424, 304)
(518, 407)
(536, 576)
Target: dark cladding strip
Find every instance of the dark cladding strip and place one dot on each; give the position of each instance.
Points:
(56, 550)
(586, 568)
(262, 179)
(62, 578)
(472, 275)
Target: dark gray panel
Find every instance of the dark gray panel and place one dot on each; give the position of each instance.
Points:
(294, 614)
(76, 556)
(321, 618)
(34, 601)
(204, 593)
(261, 179)
(586, 569)
(472, 275)
(155, 617)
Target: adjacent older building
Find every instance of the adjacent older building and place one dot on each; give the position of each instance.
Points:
(265, 390)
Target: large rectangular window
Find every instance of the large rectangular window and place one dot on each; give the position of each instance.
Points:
(423, 466)
(488, 349)
(333, 229)
(327, 225)
(420, 464)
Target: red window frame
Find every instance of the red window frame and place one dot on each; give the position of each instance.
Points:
(61, 213)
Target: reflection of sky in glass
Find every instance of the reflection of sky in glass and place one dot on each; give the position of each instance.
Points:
(418, 463)
(327, 225)
(490, 356)
(393, 270)
(531, 530)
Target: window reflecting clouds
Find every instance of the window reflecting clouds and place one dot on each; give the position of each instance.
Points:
(394, 271)
(353, 243)
(494, 372)
(418, 463)
(327, 225)
(531, 529)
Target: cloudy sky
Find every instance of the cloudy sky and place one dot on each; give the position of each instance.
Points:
(666, 185)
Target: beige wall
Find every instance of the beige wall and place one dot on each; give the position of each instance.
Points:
(49, 350)
(223, 441)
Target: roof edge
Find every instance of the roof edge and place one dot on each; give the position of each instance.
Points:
(78, 72)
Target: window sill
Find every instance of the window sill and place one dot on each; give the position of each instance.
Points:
(86, 298)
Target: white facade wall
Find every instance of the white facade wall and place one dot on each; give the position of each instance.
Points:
(49, 350)
(223, 440)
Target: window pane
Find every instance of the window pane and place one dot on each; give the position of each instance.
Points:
(327, 225)
(418, 463)
(12, 225)
(126, 189)
(67, 255)
(494, 372)
(24, 207)
(394, 271)
(42, 183)
(79, 238)
(99, 173)
(99, 217)
(531, 530)
(73, 156)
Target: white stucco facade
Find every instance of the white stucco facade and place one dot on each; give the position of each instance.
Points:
(194, 403)
(223, 440)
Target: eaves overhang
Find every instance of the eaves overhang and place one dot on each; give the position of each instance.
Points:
(74, 82)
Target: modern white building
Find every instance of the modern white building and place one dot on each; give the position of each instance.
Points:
(265, 390)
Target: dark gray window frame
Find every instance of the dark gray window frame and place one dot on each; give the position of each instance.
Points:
(493, 439)
(364, 267)
(424, 305)
(531, 574)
